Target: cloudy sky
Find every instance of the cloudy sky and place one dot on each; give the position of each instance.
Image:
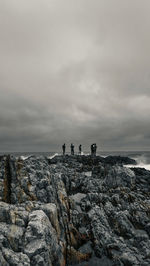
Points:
(74, 71)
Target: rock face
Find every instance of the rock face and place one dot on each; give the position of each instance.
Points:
(73, 210)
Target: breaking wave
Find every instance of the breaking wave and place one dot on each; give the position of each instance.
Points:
(143, 161)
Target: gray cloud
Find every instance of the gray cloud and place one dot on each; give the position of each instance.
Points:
(74, 71)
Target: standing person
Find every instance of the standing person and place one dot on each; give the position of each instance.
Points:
(92, 149)
(80, 149)
(72, 149)
(95, 149)
(64, 148)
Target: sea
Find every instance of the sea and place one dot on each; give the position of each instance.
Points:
(142, 157)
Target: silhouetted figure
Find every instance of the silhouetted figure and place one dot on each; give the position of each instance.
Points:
(95, 149)
(64, 148)
(92, 149)
(80, 149)
(72, 149)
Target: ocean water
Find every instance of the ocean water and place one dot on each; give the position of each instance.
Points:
(142, 157)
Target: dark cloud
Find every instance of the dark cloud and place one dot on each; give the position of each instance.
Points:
(74, 71)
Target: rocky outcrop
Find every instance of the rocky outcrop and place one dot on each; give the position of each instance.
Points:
(92, 160)
(73, 210)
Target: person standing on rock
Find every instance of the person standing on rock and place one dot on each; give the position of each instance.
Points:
(64, 148)
(72, 149)
(95, 149)
(92, 149)
(80, 149)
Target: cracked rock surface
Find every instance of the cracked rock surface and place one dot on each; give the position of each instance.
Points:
(74, 210)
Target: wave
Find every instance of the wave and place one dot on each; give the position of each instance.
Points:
(52, 156)
(146, 166)
(142, 162)
(23, 158)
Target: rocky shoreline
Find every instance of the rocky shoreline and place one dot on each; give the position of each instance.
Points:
(74, 210)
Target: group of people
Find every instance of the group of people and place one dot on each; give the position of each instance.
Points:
(72, 148)
(93, 149)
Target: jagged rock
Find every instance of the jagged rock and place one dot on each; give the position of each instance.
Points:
(74, 210)
(15, 259)
(2, 260)
(40, 238)
(119, 160)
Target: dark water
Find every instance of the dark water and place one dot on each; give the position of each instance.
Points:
(142, 157)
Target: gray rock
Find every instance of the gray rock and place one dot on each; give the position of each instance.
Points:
(15, 259)
(73, 210)
(41, 238)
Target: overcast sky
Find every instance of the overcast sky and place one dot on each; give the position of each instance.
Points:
(74, 71)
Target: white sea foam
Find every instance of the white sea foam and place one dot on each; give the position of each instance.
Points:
(146, 166)
(82, 153)
(24, 157)
(141, 162)
(141, 159)
(51, 157)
